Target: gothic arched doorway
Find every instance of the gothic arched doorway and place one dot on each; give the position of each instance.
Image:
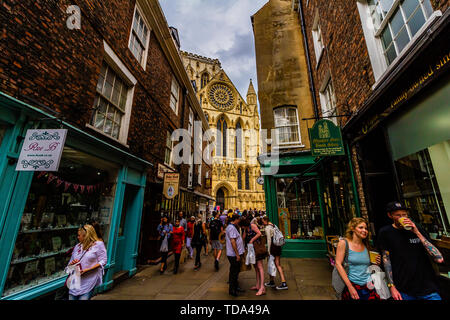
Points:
(220, 199)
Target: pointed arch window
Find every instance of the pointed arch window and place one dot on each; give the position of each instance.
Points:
(205, 79)
(239, 178)
(221, 146)
(247, 179)
(238, 140)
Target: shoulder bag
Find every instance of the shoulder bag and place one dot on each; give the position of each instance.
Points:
(336, 280)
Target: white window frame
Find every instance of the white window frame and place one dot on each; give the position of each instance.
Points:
(166, 147)
(374, 44)
(328, 99)
(290, 143)
(129, 80)
(317, 38)
(143, 61)
(174, 88)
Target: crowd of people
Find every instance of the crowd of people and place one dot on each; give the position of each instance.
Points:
(238, 231)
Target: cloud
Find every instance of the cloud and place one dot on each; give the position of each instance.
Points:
(218, 29)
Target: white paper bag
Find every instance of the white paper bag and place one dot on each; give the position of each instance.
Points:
(74, 279)
(164, 245)
(250, 259)
(271, 268)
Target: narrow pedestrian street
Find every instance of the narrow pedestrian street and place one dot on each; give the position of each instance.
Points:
(308, 279)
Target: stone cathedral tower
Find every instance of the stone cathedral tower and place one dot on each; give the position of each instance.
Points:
(236, 125)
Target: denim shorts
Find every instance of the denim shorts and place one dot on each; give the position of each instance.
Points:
(86, 296)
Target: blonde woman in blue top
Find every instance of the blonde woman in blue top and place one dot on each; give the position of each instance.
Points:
(357, 236)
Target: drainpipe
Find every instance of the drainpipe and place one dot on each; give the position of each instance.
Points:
(308, 62)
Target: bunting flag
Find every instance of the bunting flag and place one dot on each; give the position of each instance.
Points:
(59, 182)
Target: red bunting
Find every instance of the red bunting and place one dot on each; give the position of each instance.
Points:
(75, 187)
(67, 185)
(82, 188)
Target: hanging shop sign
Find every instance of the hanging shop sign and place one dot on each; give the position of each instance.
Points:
(41, 150)
(326, 139)
(162, 169)
(171, 184)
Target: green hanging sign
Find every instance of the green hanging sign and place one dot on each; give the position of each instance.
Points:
(326, 139)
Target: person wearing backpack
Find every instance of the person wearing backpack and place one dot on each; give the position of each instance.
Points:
(274, 235)
(215, 229)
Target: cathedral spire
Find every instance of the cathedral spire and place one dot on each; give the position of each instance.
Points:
(251, 94)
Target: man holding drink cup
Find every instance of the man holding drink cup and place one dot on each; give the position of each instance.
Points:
(405, 249)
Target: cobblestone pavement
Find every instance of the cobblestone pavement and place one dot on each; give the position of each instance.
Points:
(308, 279)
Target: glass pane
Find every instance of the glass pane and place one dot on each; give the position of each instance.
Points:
(116, 91)
(102, 106)
(99, 121)
(416, 22)
(115, 132)
(385, 6)
(123, 98)
(108, 126)
(294, 134)
(135, 22)
(397, 22)
(107, 90)
(101, 79)
(409, 6)
(402, 40)
(386, 37)
(391, 54)
(118, 118)
(111, 112)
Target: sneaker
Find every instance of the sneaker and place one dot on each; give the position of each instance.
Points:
(216, 264)
(283, 286)
(270, 284)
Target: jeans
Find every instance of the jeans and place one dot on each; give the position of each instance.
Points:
(86, 296)
(189, 247)
(235, 268)
(431, 296)
(198, 251)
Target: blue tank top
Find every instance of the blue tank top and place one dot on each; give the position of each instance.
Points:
(358, 262)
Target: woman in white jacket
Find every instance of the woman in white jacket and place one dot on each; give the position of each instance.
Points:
(275, 251)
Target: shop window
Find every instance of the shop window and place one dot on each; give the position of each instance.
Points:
(174, 95)
(139, 38)
(298, 209)
(425, 185)
(286, 125)
(110, 102)
(58, 203)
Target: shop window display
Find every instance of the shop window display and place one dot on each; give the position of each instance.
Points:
(299, 209)
(425, 182)
(58, 203)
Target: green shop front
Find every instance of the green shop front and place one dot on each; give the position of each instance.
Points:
(309, 197)
(41, 211)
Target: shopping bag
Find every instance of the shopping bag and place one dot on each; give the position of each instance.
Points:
(250, 258)
(336, 280)
(73, 281)
(183, 255)
(245, 267)
(379, 282)
(164, 245)
(271, 268)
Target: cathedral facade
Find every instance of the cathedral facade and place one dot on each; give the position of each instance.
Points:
(235, 126)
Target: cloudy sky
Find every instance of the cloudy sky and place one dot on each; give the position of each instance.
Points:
(218, 29)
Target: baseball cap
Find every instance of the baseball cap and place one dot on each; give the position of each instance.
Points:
(394, 206)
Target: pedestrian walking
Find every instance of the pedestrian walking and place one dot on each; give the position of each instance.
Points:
(165, 230)
(206, 242)
(198, 239)
(357, 240)
(215, 230)
(189, 235)
(223, 217)
(90, 255)
(177, 243)
(406, 249)
(274, 251)
(183, 221)
(252, 235)
(235, 250)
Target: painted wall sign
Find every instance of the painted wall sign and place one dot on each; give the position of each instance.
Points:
(171, 185)
(41, 150)
(326, 139)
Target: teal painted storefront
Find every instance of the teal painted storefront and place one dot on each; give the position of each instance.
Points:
(15, 118)
(303, 167)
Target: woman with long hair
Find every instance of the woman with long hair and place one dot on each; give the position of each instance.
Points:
(165, 230)
(357, 237)
(251, 234)
(90, 255)
(275, 251)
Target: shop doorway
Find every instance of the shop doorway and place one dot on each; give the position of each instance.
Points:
(126, 236)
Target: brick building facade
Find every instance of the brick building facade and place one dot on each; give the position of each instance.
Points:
(111, 73)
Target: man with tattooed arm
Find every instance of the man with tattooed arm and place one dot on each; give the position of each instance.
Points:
(409, 271)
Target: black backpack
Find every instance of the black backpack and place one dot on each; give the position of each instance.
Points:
(215, 226)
